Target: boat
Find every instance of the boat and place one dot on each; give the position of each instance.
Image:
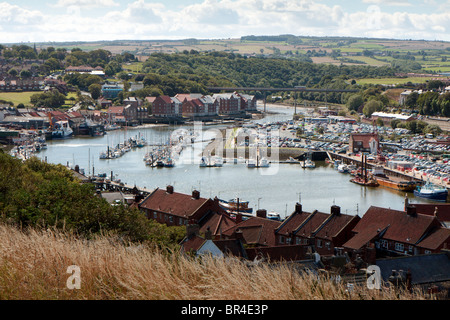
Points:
(431, 191)
(396, 184)
(272, 215)
(342, 168)
(235, 205)
(206, 162)
(62, 130)
(251, 163)
(169, 163)
(292, 160)
(218, 162)
(366, 182)
(308, 164)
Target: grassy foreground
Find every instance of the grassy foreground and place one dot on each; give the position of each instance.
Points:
(33, 266)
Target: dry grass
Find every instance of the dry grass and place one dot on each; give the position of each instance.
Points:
(33, 266)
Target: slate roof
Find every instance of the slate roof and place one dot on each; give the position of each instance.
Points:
(429, 268)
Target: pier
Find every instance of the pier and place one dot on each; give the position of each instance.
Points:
(406, 175)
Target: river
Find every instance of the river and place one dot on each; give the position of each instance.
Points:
(277, 188)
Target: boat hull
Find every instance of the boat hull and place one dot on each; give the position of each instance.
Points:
(405, 186)
(438, 196)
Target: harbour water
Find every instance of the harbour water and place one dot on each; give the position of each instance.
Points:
(316, 189)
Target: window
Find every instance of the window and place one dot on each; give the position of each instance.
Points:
(298, 240)
(328, 245)
(288, 240)
(399, 246)
(319, 243)
(281, 239)
(384, 244)
(410, 248)
(155, 215)
(170, 219)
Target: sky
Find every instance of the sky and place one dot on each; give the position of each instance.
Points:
(93, 20)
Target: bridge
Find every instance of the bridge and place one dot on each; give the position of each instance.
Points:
(279, 89)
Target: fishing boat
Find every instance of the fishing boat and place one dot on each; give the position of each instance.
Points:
(235, 205)
(62, 130)
(365, 178)
(431, 191)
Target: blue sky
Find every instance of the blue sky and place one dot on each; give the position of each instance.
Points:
(90, 20)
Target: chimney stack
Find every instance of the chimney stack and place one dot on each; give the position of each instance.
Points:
(196, 194)
(335, 210)
(411, 211)
(262, 213)
(298, 208)
(169, 189)
(238, 217)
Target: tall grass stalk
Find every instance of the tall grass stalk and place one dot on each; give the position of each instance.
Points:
(33, 265)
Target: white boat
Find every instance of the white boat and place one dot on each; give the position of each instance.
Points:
(342, 168)
(251, 163)
(309, 164)
(62, 130)
(218, 162)
(272, 215)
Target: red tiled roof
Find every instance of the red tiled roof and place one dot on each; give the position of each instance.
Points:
(166, 99)
(116, 109)
(402, 227)
(293, 222)
(217, 223)
(178, 204)
(435, 239)
(334, 225)
(193, 243)
(311, 224)
(361, 239)
(256, 230)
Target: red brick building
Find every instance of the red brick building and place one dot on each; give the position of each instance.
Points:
(178, 209)
(162, 106)
(396, 233)
(364, 142)
(323, 232)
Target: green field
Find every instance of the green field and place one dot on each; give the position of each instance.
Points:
(18, 97)
(389, 81)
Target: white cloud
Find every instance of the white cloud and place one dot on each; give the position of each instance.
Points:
(142, 19)
(85, 3)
